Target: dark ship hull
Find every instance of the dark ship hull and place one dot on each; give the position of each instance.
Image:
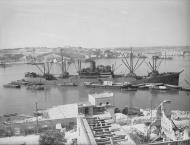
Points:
(95, 74)
(88, 74)
(171, 78)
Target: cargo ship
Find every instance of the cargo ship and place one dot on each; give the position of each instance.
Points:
(171, 78)
(132, 82)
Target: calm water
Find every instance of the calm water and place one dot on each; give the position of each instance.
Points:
(22, 100)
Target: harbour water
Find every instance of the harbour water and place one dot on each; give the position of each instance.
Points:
(23, 100)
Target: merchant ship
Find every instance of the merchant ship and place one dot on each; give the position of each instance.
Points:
(154, 76)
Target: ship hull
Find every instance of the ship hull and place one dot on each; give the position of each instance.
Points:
(96, 75)
(88, 75)
(165, 78)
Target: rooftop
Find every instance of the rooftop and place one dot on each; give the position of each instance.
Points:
(84, 104)
(102, 95)
(63, 111)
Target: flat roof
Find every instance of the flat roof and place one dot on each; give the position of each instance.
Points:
(102, 95)
(63, 111)
(84, 104)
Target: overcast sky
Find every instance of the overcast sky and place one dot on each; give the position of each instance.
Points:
(94, 23)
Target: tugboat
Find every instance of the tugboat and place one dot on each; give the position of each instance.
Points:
(100, 71)
(171, 78)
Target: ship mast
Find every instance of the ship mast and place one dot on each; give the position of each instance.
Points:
(154, 66)
(131, 62)
(130, 65)
(64, 65)
(43, 66)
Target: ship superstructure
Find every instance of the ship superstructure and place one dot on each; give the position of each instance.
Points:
(100, 71)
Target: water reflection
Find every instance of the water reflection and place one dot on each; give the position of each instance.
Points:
(131, 98)
(168, 92)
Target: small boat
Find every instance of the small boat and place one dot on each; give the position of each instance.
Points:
(143, 87)
(129, 87)
(153, 84)
(14, 83)
(10, 115)
(173, 87)
(36, 87)
(67, 84)
(139, 85)
(159, 88)
(10, 85)
(22, 82)
(185, 89)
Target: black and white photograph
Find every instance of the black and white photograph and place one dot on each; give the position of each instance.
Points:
(94, 72)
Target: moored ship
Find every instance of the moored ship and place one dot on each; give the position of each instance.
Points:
(171, 78)
(154, 76)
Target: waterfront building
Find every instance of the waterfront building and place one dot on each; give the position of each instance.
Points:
(106, 98)
(97, 102)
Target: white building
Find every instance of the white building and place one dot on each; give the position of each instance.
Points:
(102, 99)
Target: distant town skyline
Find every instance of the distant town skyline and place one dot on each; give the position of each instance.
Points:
(94, 24)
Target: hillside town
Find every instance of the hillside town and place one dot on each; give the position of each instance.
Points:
(25, 55)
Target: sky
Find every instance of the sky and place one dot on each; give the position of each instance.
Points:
(94, 23)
